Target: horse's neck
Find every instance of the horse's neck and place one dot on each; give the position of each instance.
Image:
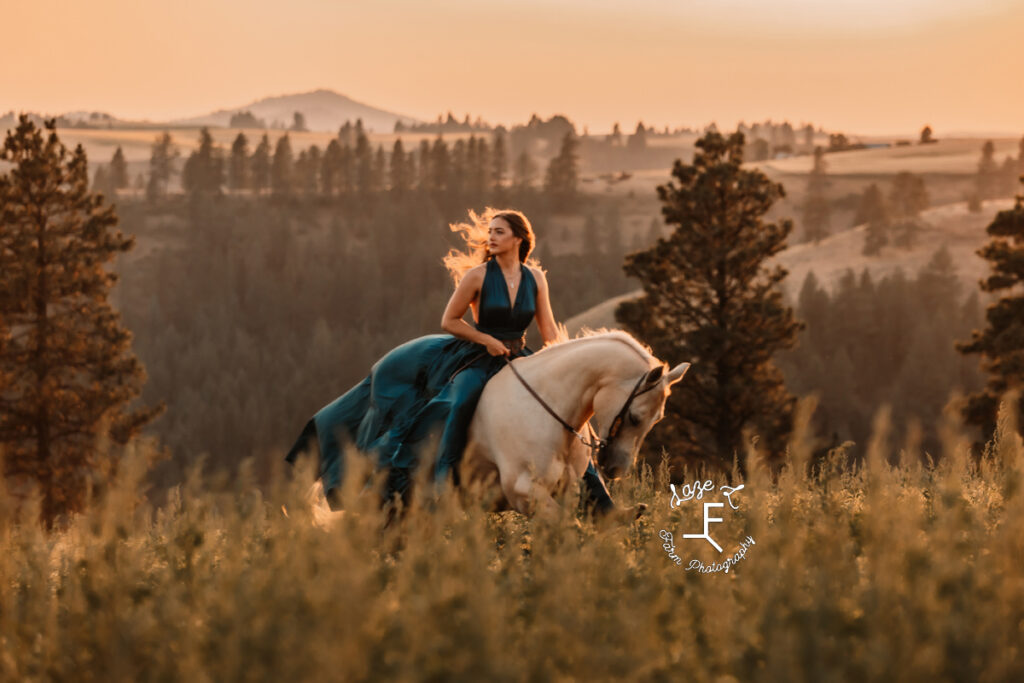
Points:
(573, 376)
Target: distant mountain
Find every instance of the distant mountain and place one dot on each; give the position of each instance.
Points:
(324, 110)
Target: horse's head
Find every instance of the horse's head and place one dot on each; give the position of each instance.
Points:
(626, 411)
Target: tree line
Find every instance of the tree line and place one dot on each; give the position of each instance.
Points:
(350, 168)
(890, 341)
(994, 180)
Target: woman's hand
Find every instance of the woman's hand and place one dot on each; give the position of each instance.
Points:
(496, 348)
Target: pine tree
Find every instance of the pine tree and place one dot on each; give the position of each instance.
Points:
(400, 177)
(282, 171)
(69, 372)
(499, 160)
(347, 171)
(307, 171)
(424, 168)
(238, 168)
(473, 165)
(710, 299)
(482, 170)
(525, 171)
(907, 199)
(260, 164)
(440, 165)
(101, 182)
(204, 169)
(615, 138)
(459, 169)
(161, 166)
(1007, 177)
(561, 182)
(345, 136)
(330, 168)
(637, 142)
(119, 170)
(363, 161)
(787, 137)
(873, 214)
(378, 171)
(816, 209)
(478, 162)
(813, 306)
(938, 285)
(988, 170)
(1001, 343)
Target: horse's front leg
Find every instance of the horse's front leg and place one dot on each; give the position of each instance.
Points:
(528, 496)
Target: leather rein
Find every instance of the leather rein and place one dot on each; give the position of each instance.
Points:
(597, 445)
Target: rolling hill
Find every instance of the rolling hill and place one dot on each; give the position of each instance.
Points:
(949, 225)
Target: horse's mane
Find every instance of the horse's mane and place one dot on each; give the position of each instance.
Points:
(587, 334)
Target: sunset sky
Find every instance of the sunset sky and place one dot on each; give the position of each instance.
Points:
(865, 66)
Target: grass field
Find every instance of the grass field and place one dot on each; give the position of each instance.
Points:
(958, 155)
(895, 571)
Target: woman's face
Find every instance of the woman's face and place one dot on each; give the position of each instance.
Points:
(501, 238)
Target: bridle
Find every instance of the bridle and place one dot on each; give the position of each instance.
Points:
(596, 444)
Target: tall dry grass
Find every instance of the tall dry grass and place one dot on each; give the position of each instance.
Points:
(889, 572)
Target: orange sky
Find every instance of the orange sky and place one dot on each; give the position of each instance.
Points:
(868, 66)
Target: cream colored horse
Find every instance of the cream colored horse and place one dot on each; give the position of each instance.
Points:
(513, 440)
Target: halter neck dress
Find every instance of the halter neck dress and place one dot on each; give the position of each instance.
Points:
(427, 386)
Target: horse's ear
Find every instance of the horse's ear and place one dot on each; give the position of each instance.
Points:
(654, 375)
(677, 373)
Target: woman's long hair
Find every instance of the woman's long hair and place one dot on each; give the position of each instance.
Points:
(476, 234)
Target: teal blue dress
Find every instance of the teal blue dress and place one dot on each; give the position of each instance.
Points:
(425, 387)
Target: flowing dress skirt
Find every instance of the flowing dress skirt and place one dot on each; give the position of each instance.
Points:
(427, 387)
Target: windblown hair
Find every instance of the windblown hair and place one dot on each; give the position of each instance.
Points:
(475, 232)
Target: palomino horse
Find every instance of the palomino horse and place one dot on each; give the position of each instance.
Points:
(513, 438)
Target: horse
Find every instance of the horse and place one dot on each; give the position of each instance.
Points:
(532, 451)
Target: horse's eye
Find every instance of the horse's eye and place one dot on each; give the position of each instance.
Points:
(633, 419)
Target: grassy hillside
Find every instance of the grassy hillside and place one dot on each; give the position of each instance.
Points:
(952, 226)
(890, 573)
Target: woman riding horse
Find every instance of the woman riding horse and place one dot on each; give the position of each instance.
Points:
(432, 384)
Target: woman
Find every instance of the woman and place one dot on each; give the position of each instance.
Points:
(432, 384)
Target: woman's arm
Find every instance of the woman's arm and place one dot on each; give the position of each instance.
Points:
(462, 297)
(545, 318)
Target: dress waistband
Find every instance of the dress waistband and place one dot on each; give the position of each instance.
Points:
(514, 345)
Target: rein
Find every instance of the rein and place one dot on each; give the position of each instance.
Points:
(597, 445)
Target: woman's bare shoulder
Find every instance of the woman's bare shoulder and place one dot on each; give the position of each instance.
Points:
(475, 275)
(538, 274)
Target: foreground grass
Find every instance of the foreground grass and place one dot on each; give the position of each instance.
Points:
(887, 573)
